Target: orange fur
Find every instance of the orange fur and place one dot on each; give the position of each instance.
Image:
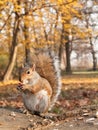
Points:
(42, 84)
(42, 80)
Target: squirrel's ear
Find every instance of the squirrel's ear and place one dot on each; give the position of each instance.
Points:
(33, 67)
(22, 66)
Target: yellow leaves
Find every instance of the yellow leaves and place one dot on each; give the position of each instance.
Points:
(67, 26)
(89, 30)
(79, 80)
(84, 33)
(80, 34)
(69, 10)
(60, 1)
(26, 23)
(38, 45)
(9, 82)
(17, 8)
(1, 2)
(28, 20)
(14, 3)
(0, 15)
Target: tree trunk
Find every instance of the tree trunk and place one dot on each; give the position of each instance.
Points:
(11, 65)
(68, 64)
(93, 56)
(13, 53)
(60, 52)
(26, 35)
(27, 54)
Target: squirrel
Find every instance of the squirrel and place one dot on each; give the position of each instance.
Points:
(40, 83)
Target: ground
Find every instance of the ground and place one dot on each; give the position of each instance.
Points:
(76, 108)
(19, 121)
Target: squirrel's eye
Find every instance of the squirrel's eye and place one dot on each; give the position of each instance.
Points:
(28, 72)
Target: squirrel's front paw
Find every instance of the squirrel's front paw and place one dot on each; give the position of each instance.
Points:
(20, 87)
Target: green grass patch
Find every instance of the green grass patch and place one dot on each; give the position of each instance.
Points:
(81, 74)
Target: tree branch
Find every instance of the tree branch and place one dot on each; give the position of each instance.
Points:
(5, 22)
(52, 5)
(45, 6)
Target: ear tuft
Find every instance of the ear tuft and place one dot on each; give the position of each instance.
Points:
(33, 67)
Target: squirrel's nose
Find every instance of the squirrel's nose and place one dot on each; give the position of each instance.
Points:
(21, 81)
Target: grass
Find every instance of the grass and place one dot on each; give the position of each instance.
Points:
(82, 75)
(84, 79)
(76, 77)
(85, 72)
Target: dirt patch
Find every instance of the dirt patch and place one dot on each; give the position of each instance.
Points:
(12, 120)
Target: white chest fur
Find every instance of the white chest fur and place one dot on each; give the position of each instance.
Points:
(36, 102)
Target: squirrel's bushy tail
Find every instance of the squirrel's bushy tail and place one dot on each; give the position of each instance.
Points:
(57, 86)
(47, 65)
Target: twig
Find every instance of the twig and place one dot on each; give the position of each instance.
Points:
(5, 22)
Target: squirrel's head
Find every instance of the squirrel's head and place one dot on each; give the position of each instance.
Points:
(28, 75)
